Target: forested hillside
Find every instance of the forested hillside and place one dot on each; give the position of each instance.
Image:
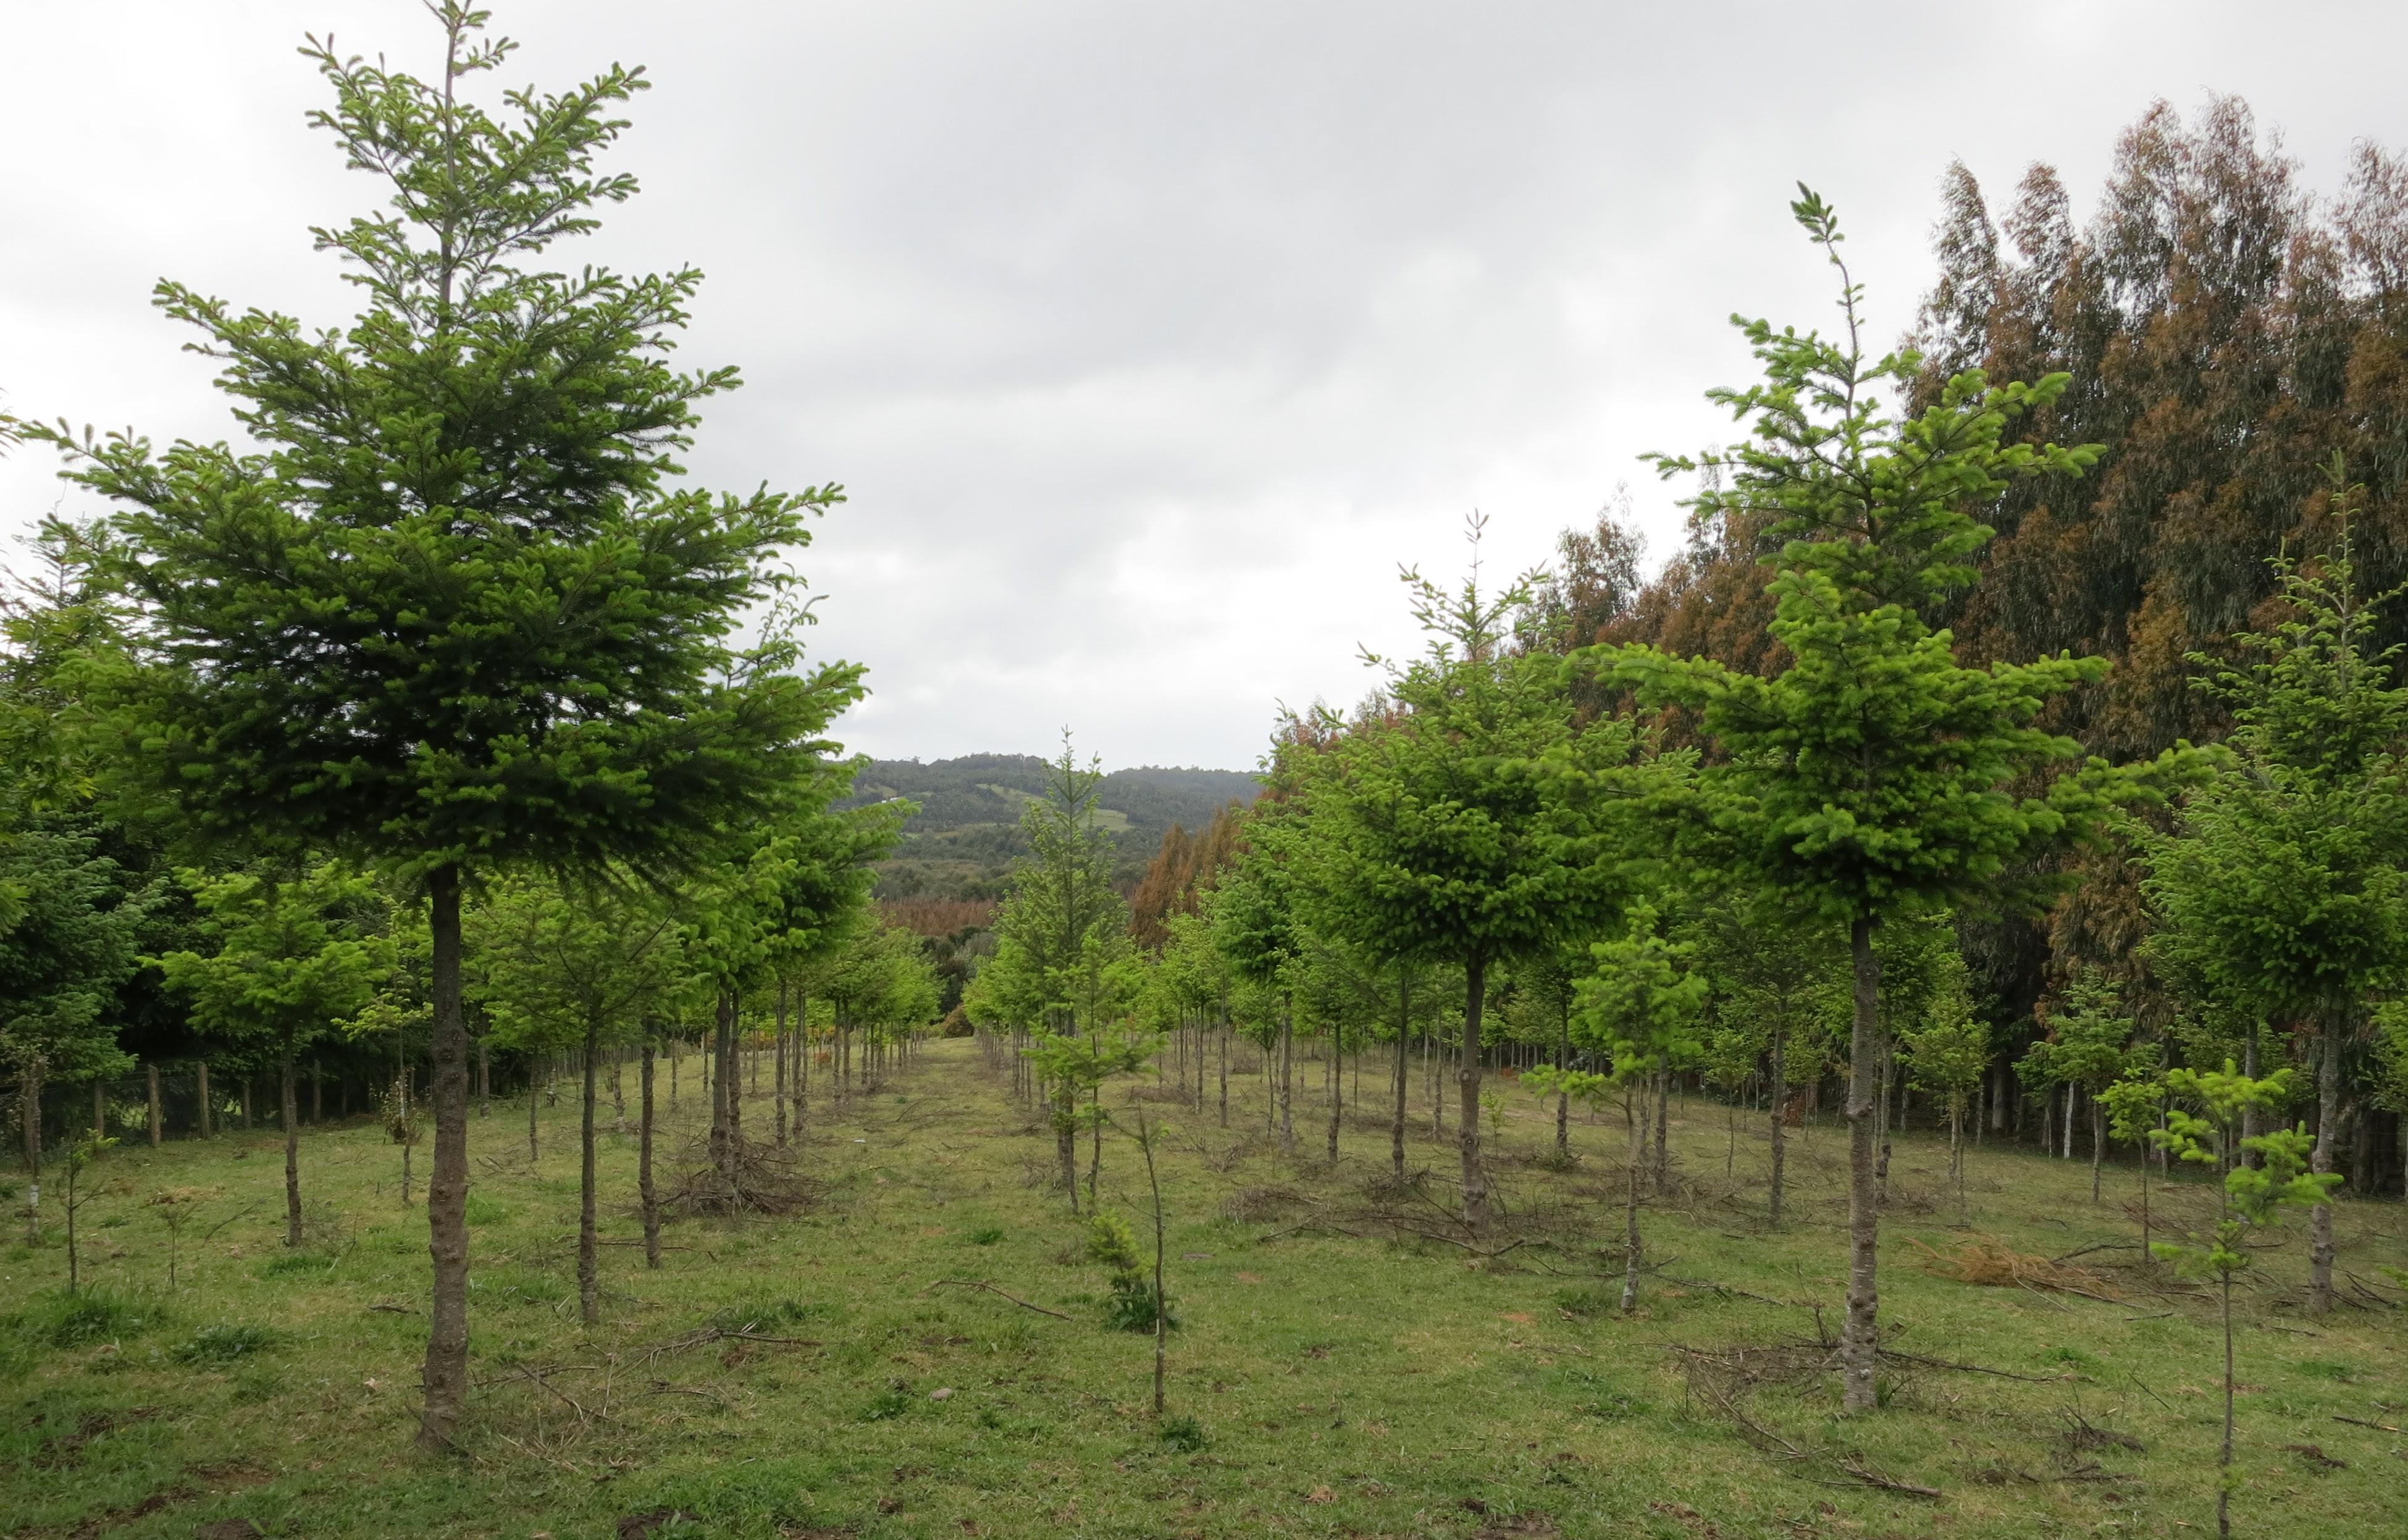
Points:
(962, 842)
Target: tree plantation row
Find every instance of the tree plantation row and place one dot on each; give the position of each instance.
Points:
(443, 741)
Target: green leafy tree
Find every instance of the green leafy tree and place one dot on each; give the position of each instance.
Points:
(2251, 1197)
(457, 613)
(1483, 822)
(1873, 777)
(296, 958)
(2135, 1105)
(2282, 890)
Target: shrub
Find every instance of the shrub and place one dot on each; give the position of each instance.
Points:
(1133, 1305)
(1183, 1434)
(225, 1344)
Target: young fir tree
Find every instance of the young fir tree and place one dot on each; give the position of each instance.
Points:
(565, 967)
(2252, 1199)
(1641, 1006)
(2282, 889)
(456, 612)
(2088, 1047)
(1482, 822)
(1946, 1056)
(296, 958)
(1870, 778)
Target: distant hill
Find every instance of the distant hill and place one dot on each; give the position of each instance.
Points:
(965, 837)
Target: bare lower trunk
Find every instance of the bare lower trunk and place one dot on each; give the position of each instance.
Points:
(445, 1377)
(2224, 1457)
(722, 1093)
(1663, 1122)
(589, 1247)
(1225, 1072)
(644, 1188)
(1563, 1098)
(778, 1090)
(1636, 1091)
(1066, 1139)
(292, 1114)
(1780, 1131)
(2320, 1217)
(2098, 1143)
(1859, 1337)
(29, 1123)
(1404, 1061)
(1475, 1183)
(208, 1120)
(151, 1073)
(532, 1153)
(1336, 1094)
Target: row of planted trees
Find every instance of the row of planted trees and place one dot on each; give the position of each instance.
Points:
(443, 695)
(1658, 868)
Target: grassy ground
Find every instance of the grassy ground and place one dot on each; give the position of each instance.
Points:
(1339, 1385)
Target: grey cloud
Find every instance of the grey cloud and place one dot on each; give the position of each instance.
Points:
(1148, 338)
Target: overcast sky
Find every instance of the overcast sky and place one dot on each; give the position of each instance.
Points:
(1148, 339)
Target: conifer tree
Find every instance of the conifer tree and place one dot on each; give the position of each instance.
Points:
(457, 612)
(1870, 778)
(2282, 890)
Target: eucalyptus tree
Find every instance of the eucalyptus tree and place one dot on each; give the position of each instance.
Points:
(297, 956)
(1875, 777)
(457, 612)
(1476, 822)
(2282, 887)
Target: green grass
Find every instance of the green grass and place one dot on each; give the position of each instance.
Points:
(1321, 1384)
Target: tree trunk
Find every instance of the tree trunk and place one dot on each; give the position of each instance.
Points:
(2097, 1142)
(1779, 1100)
(1224, 1069)
(1404, 1060)
(316, 1093)
(151, 1074)
(1475, 1183)
(1286, 1081)
(2320, 1217)
(1564, 1098)
(484, 1077)
(292, 1115)
(29, 1121)
(1337, 1090)
(777, 1087)
(589, 1247)
(1065, 1139)
(1635, 1091)
(1663, 1122)
(242, 1101)
(208, 1121)
(445, 1378)
(723, 1027)
(1860, 1336)
(644, 1163)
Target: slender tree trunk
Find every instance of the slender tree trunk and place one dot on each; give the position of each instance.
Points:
(2248, 1114)
(291, 1110)
(29, 1123)
(1404, 1062)
(316, 1093)
(1957, 1162)
(2224, 1457)
(2098, 1143)
(1337, 1090)
(1634, 1092)
(533, 1154)
(1065, 1139)
(644, 1188)
(484, 1077)
(1564, 1098)
(589, 1246)
(2320, 1217)
(802, 1061)
(445, 1378)
(777, 1091)
(1779, 1097)
(1663, 1124)
(618, 1089)
(723, 1028)
(1224, 1069)
(242, 1100)
(208, 1120)
(1859, 1337)
(151, 1075)
(1475, 1181)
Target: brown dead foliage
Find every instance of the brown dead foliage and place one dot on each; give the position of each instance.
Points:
(1987, 1263)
